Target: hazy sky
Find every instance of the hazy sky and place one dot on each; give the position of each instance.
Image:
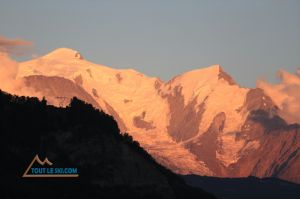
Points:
(250, 38)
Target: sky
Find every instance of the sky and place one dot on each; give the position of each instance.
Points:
(250, 39)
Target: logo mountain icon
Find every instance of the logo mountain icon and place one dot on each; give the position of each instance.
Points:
(38, 160)
(46, 162)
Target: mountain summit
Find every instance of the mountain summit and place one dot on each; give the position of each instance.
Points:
(199, 122)
(63, 53)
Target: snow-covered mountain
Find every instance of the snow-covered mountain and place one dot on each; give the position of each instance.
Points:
(200, 122)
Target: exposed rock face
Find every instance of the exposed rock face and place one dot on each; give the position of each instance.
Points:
(78, 55)
(184, 120)
(139, 122)
(256, 99)
(278, 151)
(95, 93)
(78, 80)
(119, 78)
(199, 122)
(58, 88)
(205, 147)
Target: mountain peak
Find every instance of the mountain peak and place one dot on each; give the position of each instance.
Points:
(64, 53)
(215, 66)
(218, 70)
(225, 76)
(206, 74)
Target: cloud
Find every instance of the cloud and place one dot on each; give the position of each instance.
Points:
(8, 70)
(15, 47)
(9, 67)
(286, 95)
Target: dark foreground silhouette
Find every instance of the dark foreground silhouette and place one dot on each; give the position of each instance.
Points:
(110, 165)
(246, 188)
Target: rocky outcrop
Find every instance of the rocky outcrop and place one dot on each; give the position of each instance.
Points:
(139, 121)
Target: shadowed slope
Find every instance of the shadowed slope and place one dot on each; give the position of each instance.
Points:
(110, 164)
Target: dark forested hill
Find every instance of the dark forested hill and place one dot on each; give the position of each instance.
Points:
(109, 164)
